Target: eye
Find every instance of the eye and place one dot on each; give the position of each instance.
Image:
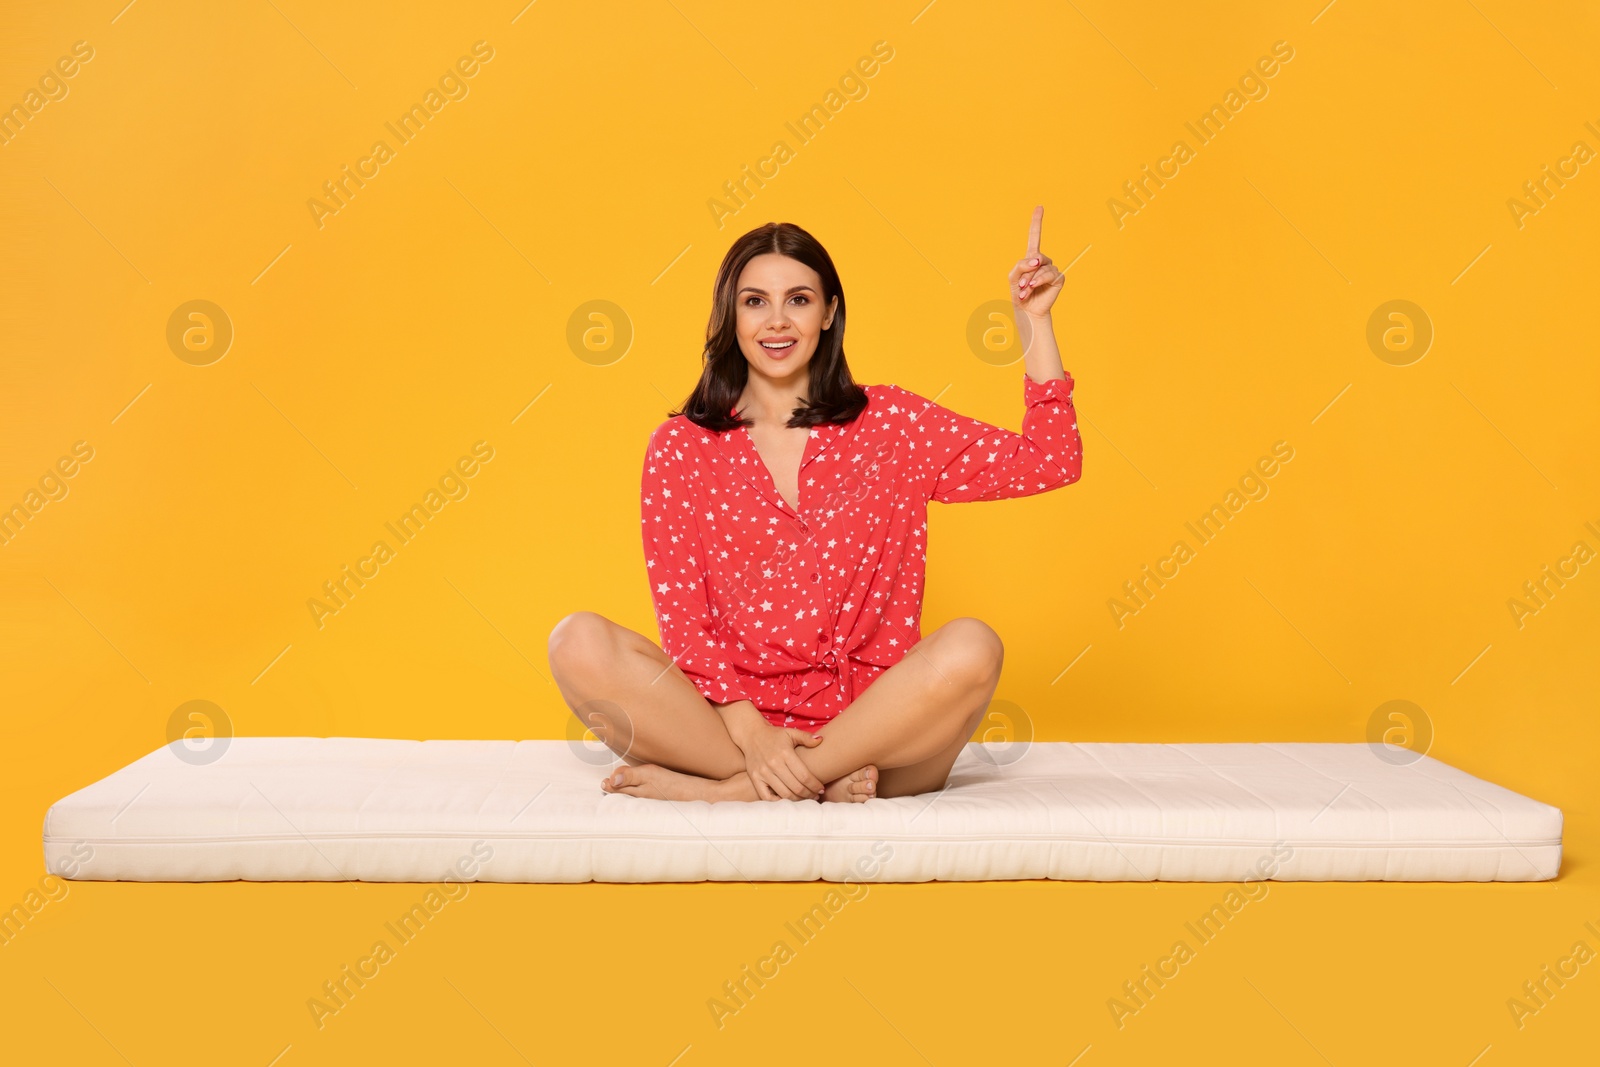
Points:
(749, 298)
(802, 298)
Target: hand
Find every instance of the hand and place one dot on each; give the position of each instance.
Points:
(775, 770)
(1035, 281)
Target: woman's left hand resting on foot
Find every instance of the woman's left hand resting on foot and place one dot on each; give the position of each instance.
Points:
(775, 770)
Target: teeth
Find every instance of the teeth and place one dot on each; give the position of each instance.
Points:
(781, 344)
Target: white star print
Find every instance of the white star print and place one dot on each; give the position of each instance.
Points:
(867, 490)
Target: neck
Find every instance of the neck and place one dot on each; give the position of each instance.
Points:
(772, 400)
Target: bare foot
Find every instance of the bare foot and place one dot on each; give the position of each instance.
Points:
(660, 783)
(853, 788)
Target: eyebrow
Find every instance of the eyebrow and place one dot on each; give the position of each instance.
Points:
(793, 289)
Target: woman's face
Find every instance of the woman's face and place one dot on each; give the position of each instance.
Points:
(779, 303)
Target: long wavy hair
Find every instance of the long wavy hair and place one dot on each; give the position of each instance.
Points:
(835, 397)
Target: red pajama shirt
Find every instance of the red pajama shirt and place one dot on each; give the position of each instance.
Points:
(799, 611)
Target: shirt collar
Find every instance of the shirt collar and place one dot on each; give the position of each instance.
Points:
(740, 450)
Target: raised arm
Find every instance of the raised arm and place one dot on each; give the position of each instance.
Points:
(972, 460)
(965, 459)
(674, 559)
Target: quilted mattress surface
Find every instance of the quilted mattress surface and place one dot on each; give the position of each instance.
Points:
(341, 808)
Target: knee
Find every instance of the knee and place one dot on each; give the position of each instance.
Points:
(973, 651)
(579, 640)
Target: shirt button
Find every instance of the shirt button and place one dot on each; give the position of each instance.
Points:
(816, 577)
(824, 638)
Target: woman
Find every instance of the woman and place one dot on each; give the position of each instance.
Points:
(785, 551)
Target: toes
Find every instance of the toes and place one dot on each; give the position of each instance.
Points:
(620, 780)
(854, 788)
(864, 783)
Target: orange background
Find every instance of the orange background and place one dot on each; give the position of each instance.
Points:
(436, 307)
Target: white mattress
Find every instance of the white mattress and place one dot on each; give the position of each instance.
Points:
(339, 808)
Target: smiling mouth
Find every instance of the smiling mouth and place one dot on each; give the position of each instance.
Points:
(779, 349)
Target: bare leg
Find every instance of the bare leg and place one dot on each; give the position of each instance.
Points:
(931, 774)
(629, 692)
(655, 719)
(915, 717)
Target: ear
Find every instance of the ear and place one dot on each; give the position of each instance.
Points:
(833, 309)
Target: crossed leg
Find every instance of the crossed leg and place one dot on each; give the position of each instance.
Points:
(910, 724)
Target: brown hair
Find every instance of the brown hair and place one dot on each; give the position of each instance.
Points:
(835, 397)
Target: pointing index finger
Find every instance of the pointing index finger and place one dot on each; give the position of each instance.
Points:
(1033, 230)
